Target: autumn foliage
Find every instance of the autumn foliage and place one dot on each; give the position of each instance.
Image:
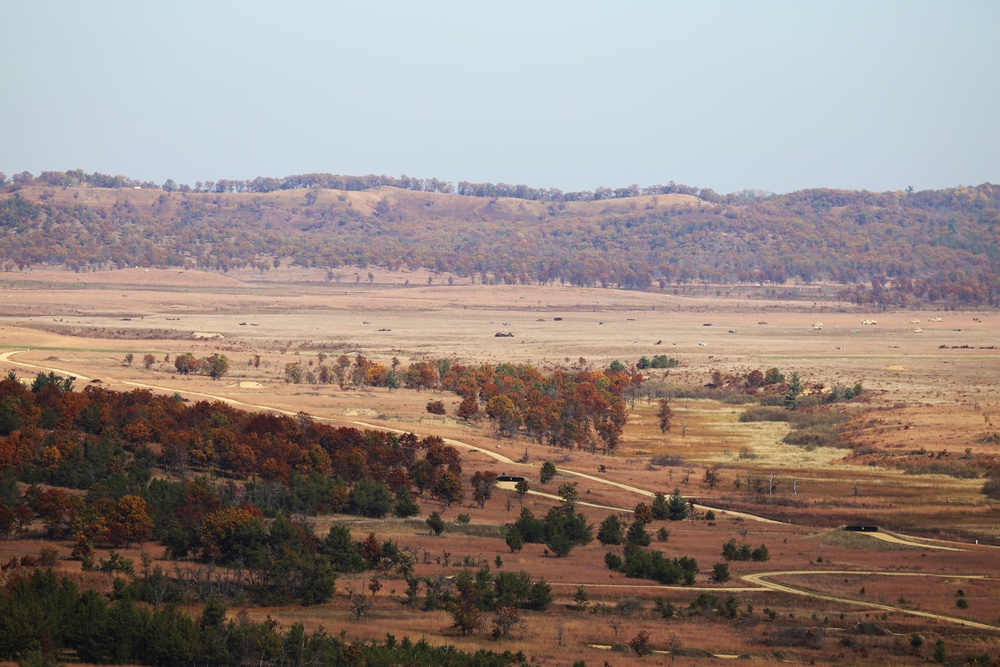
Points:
(105, 442)
(584, 410)
(883, 249)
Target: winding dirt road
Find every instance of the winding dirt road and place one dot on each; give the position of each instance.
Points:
(763, 579)
(759, 580)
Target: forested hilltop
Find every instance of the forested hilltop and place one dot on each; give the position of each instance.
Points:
(891, 248)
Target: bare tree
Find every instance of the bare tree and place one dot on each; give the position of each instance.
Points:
(359, 606)
(673, 645)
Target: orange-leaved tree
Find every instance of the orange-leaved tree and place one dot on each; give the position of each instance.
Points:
(128, 521)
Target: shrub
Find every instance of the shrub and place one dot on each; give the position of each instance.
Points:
(678, 506)
(957, 469)
(514, 539)
(436, 408)
(720, 572)
(796, 637)
(406, 506)
(665, 460)
(369, 497)
(435, 523)
(610, 531)
(637, 534)
(48, 556)
(940, 653)
(532, 530)
(628, 606)
(665, 607)
(660, 508)
(703, 603)
(650, 564)
(774, 400)
(765, 414)
(640, 643)
(565, 530)
(736, 398)
(663, 361)
(581, 598)
(811, 418)
(733, 550)
(815, 436)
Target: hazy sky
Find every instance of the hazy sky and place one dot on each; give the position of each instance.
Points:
(736, 95)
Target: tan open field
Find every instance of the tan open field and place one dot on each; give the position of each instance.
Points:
(935, 393)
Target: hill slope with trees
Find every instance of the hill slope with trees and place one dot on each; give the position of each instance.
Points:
(887, 248)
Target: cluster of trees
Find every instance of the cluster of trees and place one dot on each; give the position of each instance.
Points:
(885, 248)
(215, 365)
(98, 440)
(957, 287)
(74, 178)
(658, 361)
(495, 190)
(77, 178)
(563, 409)
(640, 561)
(469, 595)
(734, 550)
(70, 438)
(562, 529)
(44, 617)
(360, 372)
(753, 381)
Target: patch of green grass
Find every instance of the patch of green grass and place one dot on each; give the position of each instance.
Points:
(856, 540)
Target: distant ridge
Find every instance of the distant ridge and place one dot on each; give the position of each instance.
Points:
(882, 249)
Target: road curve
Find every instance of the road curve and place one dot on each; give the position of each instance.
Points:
(762, 579)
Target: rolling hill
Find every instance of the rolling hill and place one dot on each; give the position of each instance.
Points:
(884, 249)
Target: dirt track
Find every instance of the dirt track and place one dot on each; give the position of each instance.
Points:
(761, 579)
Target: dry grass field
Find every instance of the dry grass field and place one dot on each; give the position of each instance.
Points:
(931, 396)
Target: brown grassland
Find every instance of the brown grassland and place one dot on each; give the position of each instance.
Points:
(930, 397)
